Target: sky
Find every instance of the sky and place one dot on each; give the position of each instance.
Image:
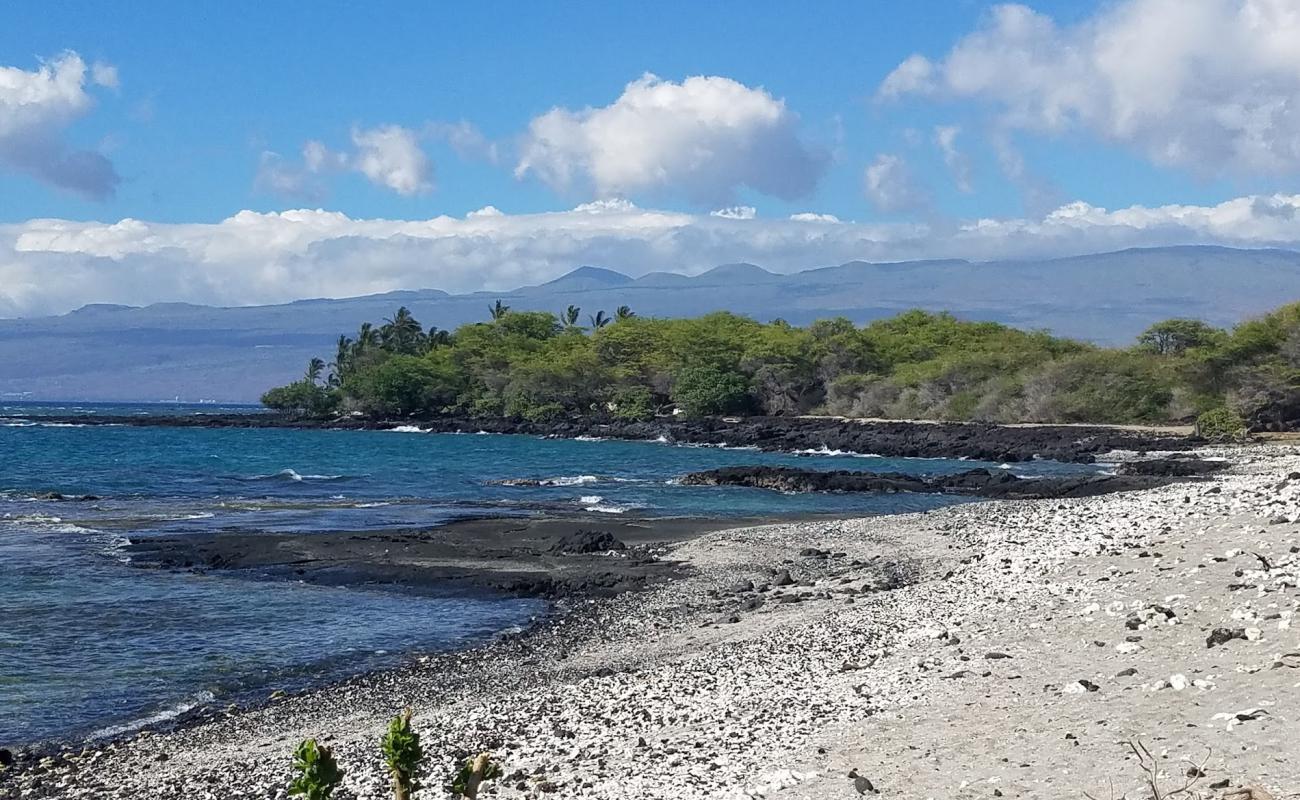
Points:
(243, 152)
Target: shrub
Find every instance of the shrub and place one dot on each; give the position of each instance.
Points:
(1220, 425)
(701, 391)
(403, 755)
(318, 773)
(634, 403)
(301, 397)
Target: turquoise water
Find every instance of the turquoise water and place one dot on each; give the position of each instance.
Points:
(90, 644)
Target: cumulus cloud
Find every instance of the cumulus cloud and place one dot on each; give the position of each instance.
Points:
(704, 138)
(51, 266)
(890, 185)
(37, 107)
(389, 156)
(1212, 86)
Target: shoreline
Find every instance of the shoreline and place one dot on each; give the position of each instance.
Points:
(715, 685)
(902, 439)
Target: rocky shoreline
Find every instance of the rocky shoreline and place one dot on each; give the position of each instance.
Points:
(570, 559)
(1005, 648)
(1000, 485)
(988, 442)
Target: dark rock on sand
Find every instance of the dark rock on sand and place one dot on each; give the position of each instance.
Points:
(977, 482)
(1173, 467)
(1224, 635)
(585, 540)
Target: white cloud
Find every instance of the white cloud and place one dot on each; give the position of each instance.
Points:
(1212, 85)
(704, 138)
(51, 266)
(890, 186)
(389, 156)
(735, 212)
(35, 109)
(466, 139)
(808, 216)
(945, 138)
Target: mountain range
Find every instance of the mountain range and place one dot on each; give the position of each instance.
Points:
(189, 352)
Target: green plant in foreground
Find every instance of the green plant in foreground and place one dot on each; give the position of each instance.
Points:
(476, 771)
(1221, 425)
(318, 773)
(403, 754)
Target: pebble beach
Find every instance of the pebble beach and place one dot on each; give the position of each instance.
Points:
(1010, 648)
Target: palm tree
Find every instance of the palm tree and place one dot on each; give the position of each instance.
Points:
(498, 310)
(342, 354)
(314, 369)
(367, 337)
(570, 317)
(624, 312)
(402, 333)
(437, 337)
(599, 320)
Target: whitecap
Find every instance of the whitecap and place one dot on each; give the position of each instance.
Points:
(408, 429)
(590, 499)
(570, 480)
(171, 712)
(826, 451)
(589, 438)
(606, 509)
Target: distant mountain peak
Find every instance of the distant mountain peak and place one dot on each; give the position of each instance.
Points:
(738, 272)
(589, 277)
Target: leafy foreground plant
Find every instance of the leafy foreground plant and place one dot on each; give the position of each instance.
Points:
(318, 773)
(476, 771)
(403, 754)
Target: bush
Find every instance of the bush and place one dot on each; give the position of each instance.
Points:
(301, 397)
(1221, 425)
(634, 403)
(701, 391)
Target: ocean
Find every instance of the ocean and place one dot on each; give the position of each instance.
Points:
(91, 646)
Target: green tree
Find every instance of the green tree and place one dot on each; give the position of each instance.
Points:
(403, 386)
(1173, 337)
(702, 391)
(570, 317)
(599, 320)
(314, 369)
(402, 334)
(498, 310)
(623, 313)
(301, 397)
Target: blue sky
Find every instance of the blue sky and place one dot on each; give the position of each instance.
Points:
(206, 87)
(845, 130)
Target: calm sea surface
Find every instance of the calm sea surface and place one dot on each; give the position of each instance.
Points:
(90, 645)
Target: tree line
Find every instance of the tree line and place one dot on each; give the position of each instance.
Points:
(536, 365)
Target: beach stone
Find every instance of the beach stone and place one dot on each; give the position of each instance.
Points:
(1220, 636)
(782, 578)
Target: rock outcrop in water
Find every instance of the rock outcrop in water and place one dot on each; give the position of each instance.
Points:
(977, 482)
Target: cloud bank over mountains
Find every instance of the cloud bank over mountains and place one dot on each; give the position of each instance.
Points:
(52, 266)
